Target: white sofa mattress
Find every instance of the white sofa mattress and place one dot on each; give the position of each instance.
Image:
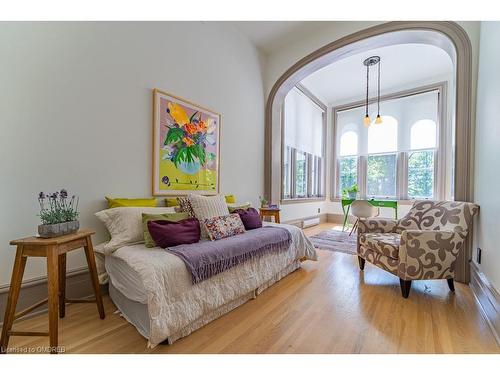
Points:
(160, 280)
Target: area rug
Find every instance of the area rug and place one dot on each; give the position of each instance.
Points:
(335, 240)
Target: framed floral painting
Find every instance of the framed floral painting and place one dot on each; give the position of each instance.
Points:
(186, 144)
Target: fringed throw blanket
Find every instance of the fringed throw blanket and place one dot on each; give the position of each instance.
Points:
(208, 258)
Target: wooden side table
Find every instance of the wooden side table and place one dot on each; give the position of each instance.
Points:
(270, 212)
(54, 249)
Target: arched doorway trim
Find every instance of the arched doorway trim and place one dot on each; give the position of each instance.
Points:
(449, 36)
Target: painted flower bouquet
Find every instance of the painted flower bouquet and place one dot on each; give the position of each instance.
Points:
(186, 140)
(58, 213)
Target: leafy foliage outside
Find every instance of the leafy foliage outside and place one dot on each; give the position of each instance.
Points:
(381, 175)
(348, 172)
(301, 175)
(421, 174)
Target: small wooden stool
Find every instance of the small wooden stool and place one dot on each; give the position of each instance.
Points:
(270, 212)
(54, 249)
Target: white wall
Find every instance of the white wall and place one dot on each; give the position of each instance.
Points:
(300, 46)
(487, 161)
(76, 112)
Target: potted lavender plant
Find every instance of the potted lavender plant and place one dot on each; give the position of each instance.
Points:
(58, 214)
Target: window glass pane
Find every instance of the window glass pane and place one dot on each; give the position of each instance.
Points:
(287, 169)
(421, 174)
(314, 176)
(348, 172)
(301, 174)
(423, 135)
(381, 175)
(383, 137)
(349, 143)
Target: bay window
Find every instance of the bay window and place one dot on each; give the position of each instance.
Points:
(396, 159)
(303, 149)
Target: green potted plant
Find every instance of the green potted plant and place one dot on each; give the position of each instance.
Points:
(264, 203)
(351, 192)
(58, 214)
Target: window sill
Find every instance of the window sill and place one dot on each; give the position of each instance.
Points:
(302, 200)
(400, 201)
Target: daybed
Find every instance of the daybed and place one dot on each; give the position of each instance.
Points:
(154, 291)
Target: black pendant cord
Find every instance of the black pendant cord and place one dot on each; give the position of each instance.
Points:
(378, 93)
(367, 80)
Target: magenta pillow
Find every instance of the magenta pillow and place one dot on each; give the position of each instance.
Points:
(250, 218)
(167, 233)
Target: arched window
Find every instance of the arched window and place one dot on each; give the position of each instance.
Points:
(383, 137)
(423, 135)
(349, 143)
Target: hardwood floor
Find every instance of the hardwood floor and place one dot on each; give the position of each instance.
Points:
(327, 306)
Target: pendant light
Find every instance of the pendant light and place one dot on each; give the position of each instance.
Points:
(370, 61)
(366, 120)
(378, 120)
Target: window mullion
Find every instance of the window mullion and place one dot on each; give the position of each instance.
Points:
(293, 166)
(402, 175)
(362, 175)
(438, 190)
(309, 174)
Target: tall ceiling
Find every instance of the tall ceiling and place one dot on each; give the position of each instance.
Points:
(401, 65)
(272, 35)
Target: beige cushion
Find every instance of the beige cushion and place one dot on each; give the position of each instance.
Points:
(124, 224)
(208, 207)
(383, 243)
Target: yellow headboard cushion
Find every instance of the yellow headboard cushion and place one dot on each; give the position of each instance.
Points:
(131, 202)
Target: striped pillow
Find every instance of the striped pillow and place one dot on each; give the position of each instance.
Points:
(207, 207)
(185, 206)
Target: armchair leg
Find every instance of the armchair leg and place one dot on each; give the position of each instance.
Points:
(405, 287)
(451, 285)
(361, 262)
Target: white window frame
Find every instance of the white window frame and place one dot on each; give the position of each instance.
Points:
(402, 156)
(310, 196)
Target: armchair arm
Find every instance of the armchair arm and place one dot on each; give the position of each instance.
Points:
(376, 225)
(429, 254)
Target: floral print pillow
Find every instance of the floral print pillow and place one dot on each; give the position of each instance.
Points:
(220, 227)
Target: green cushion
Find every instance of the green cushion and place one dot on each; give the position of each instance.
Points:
(238, 206)
(148, 240)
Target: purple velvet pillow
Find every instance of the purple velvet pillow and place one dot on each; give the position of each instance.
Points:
(167, 233)
(250, 218)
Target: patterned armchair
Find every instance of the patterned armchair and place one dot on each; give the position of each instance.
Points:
(422, 245)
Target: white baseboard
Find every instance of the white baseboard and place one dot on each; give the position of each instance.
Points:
(323, 218)
(487, 297)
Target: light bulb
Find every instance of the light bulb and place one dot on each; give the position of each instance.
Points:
(366, 121)
(378, 120)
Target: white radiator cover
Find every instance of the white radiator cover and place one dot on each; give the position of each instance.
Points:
(310, 222)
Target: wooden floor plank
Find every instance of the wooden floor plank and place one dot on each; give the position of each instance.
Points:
(327, 306)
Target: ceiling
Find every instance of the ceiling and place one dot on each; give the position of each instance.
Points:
(272, 35)
(401, 65)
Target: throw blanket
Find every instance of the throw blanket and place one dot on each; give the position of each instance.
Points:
(208, 258)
